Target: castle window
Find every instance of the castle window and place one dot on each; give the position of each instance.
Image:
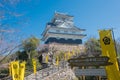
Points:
(57, 30)
(65, 31)
(73, 32)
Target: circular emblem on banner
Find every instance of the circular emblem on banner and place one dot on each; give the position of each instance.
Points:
(34, 63)
(21, 66)
(15, 66)
(16, 76)
(106, 40)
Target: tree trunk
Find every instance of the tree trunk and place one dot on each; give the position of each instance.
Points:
(28, 53)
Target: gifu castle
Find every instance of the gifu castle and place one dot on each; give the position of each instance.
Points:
(61, 32)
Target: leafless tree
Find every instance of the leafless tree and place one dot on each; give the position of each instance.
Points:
(9, 17)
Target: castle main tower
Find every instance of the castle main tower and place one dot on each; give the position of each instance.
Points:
(61, 29)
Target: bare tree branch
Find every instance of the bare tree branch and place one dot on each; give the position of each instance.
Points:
(10, 52)
(9, 17)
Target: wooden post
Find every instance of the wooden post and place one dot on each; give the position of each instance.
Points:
(99, 77)
(83, 77)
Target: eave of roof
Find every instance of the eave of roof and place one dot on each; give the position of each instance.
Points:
(68, 34)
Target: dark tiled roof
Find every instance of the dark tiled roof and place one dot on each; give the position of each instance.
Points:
(55, 26)
(52, 24)
(62, 40)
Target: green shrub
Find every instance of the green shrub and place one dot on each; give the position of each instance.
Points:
(4, 71)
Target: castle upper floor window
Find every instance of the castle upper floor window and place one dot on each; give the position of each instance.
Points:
(73, 32)
(57, 30)
(65, 31)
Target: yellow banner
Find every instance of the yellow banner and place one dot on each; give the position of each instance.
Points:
(34, 65)
(108, 49)
(22, 70)
(69, 55)
(15, 70)
(46, 59)
(72, 53)
(57, 60)
(65, 56)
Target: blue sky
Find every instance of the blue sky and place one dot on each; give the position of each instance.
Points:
(91, 15)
